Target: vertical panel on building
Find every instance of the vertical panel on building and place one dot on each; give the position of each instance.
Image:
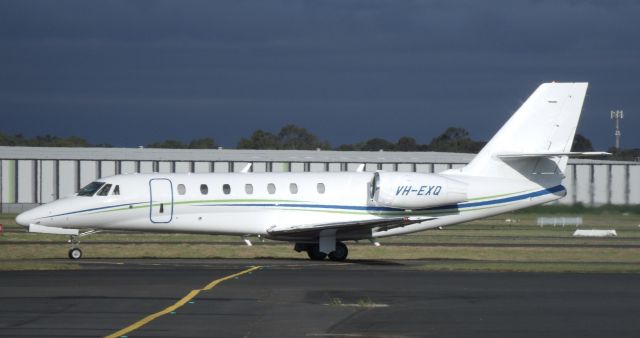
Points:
(388, 166)
(8, 181)
(88, 172)
(238, 166)
(164, 167)
(183, 167)
(618, 184)
(67, 178)
(26, 184)
(296, 167)
(583, 184)
(371, 167)
(600, 184)
(259, 167)
(353, 166)
(568, 183)
(146, 167)
(423, 168)
(202, 167)
(317, 167)
(335, 167)
(221, 167)
(634, 184)
(440, 167)
(127, 167)
(279, 167)
(108, 168)
(405, 167)
(48, 187)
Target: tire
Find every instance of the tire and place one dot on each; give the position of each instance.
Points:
(315, 254)
(75, 253)
(340, 254)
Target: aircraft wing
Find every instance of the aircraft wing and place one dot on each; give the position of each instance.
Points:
(310, 230)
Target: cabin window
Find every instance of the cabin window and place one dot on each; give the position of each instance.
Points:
(90, 189)
(204, 189)
(320, 188)
(226, 189)
(116, 190)
(248, 188)
(293, 188)
(271, 188)
(104, 191)
(182, 189)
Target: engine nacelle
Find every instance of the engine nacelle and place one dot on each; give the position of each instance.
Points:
(416, 190)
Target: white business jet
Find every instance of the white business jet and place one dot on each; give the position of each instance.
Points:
(521, 166)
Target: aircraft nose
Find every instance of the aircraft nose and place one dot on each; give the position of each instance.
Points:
(25, 218)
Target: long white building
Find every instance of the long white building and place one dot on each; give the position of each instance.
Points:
(32, 175)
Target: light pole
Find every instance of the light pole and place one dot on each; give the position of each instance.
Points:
(617, 115)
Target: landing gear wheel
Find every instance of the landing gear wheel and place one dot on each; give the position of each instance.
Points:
(315, 254)
(75, 253)
(340, 254)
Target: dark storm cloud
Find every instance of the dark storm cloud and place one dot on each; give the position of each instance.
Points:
(347, 70)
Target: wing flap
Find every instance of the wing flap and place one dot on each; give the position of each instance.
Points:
(340, 227)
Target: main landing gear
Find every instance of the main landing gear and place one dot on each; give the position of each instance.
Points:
(313, 250)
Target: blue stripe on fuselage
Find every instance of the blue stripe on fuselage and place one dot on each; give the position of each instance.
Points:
(543, 192)
(95, 209)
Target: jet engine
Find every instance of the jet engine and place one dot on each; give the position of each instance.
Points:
(415, 190)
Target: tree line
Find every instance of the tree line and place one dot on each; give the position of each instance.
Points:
(293, 137)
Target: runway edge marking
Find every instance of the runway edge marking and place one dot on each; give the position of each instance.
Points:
(177, 305)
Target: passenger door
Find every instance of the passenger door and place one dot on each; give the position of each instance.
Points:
(160, 200)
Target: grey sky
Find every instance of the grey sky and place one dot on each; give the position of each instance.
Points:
(129, 73)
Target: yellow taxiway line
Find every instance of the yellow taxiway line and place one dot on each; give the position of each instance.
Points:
(146, 320)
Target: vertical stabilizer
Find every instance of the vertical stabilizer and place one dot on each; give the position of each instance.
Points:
(546, 123)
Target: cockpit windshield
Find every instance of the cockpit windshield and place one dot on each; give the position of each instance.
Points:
(90, 188)
(104, 191)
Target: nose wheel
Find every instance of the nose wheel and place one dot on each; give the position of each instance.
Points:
(75, 253)
(74, 240)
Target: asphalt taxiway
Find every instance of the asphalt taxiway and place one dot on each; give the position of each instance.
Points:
(298, 298)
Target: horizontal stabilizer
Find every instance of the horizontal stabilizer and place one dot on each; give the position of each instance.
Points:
(310, 229)
(552, 154)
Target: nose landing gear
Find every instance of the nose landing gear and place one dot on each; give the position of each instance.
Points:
(74, 250)
(75, 253)
(74, 240)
